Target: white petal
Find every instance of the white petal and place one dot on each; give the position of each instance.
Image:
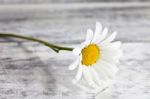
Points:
(88, 77)
(111, 52)
(113, 45)
(79, 74)
(116, 44)
(102, 36)
(89, 36)
(101, 72)
(110, 38)
(110, 59)
(110, 69)
(111, 49)
(98, 30)
(74, 64)
(96, 76)
(104, 33)
(88, 89)
(76, 51)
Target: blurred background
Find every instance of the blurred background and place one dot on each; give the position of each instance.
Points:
(42, 18)
(29, 70)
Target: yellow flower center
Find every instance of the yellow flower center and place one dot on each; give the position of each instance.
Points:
(90, 54)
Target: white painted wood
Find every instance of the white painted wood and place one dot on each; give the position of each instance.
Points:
(30, 71)
(130, 20)
(20, 7)
(63, 1)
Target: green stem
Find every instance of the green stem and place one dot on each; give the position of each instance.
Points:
(56, 48)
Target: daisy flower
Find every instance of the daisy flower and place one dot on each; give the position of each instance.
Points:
(97, 58)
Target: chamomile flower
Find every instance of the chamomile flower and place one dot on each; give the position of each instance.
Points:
(97, 58)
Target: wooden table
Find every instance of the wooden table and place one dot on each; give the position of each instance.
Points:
(29, 70)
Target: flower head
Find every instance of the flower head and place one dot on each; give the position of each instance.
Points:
(97, 58)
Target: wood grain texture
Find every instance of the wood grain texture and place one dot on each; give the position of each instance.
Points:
(131, 23)
(62, 1)
(29, 70)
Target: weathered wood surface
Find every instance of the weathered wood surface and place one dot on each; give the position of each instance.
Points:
(29, 70)
(62, 1)
(132, 23)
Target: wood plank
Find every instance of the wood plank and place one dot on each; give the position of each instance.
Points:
(62, 1)
(131, 21)
(28, 7)
(28, 72)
